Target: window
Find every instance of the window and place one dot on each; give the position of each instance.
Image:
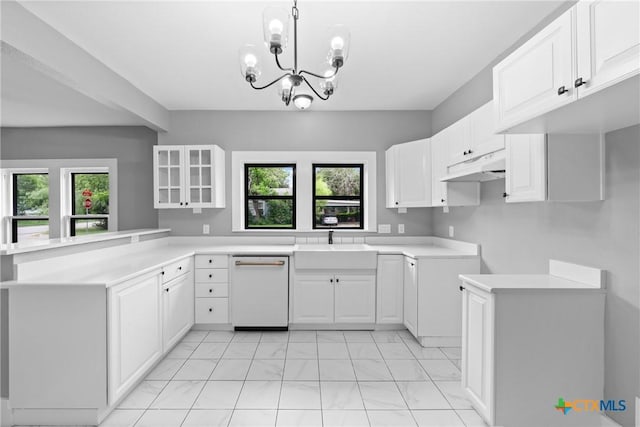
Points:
(30, 216)
(337, 196)
(270, 201)
(89, 204)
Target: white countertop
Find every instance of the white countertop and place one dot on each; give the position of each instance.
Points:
(522, 282)
(114, 265)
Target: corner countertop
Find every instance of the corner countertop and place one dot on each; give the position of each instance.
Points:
(495, 283)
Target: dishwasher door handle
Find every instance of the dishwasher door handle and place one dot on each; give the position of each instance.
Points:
(271, 263)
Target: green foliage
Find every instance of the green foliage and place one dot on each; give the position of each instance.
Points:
(263, 181)
(32, 194)
(98, 183)
(270, 181)
(341, 181)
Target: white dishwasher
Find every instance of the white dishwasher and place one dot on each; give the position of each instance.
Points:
(260, 292)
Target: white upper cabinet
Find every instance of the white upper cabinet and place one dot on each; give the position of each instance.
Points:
(188, 176)
(562, 168)
(592, 46)
(608, 41)
(537, 77)
(457, 136)
(408, 174)
(482, 137)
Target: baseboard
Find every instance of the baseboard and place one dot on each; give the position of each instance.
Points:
(5, 413)
(55, 417)
(440, 341)
(637, 411)
(332, 326)
(212, 327)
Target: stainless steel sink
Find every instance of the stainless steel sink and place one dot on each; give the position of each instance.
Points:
(335, 257)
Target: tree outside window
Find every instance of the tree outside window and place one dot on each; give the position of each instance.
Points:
(30, 219)
(90, 210)
(337, 196)
(270, 196)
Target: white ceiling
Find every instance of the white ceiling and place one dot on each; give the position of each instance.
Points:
(405, 55)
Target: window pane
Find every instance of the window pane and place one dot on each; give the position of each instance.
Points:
(29, 230)
(31, 195)
(90, 189)
(338, 213)
(270, 213)
(270, 180)
(337, 181)
(82, 227)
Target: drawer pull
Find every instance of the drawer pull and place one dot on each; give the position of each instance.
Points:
(210, 310)
(162, 273)
(274, 263)
(210, 291)
(167, 289)
(210, 276)
(180, 268)
(562, 90)
(462, 288)
(210, 261)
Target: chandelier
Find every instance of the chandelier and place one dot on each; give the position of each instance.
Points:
(275, 21)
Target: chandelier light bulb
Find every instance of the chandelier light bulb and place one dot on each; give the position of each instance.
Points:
(275, 26)
(250, 60)
(337, 43)
(286, 84)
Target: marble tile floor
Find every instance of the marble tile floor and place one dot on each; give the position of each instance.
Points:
(300, 378)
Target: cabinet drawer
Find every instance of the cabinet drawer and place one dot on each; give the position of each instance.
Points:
(212, 275)
(208, 290)
(211, 261)
(212, 310)
(175, 269)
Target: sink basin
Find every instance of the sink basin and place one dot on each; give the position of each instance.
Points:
(335, 257)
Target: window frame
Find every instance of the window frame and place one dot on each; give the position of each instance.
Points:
(74, 217)
(315, 197)
(248, 197)
(13, 217)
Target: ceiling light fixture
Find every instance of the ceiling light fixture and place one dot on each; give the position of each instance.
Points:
(275, 26)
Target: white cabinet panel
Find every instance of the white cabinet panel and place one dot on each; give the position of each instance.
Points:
(482, 137)
(135, 332)
(458, 141)
(411, 295)
(538, 76)
(608, 41)
(212, 310)
(390, 279)
(355, 298)
(477, 349)
(168, 176)
(178, 309)
(408, 174)
(313, 298)
(439, 157)
(526, 177)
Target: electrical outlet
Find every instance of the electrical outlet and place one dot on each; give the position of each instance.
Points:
(445, 209)
(384, 228)
(400, 228)
(451, 231)
(402, 210)
(197, 210)
(135, 238)
(205, 228)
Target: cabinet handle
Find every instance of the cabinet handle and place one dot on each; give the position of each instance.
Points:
(210, 276)
(210, 310)
(186, 203)
(465, 153)
(462, 288)
(162, 273)
(396, 203)
(167, 289)
(337, 280)
(562, 90)
(505, 195)
(579, 82)
(210, 291)
(181, 203)
(180, 268)
(210, 261)
(470, 151)
(442, 200)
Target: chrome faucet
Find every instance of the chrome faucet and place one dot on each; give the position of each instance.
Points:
(331, 237)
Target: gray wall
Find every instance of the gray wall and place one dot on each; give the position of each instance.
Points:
(295, 131)
(132, 146)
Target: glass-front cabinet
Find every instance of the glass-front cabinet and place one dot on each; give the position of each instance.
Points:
(188, 176)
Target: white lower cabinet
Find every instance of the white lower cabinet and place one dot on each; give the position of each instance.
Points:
(390, 279)
(523, 349)
(334, 298)
(135, 332)
(177, 309)
(432, 305)
(411, 295)
(212, 289)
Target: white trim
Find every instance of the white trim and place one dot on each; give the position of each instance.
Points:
(58, 170)
(303, 161)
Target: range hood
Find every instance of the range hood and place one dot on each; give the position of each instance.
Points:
(485, 168)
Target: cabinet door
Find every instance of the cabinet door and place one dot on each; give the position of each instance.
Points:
(528, 82)
(355, 298)
(608, 43)
(477, 349)
(439, 168)
(135, 332)
(482, 137)
(526, 170)
(313, 298)
(458, 142)
(390, 280)
(178, 307)
(199, 176)
(391, 178)
(168, 180)
(413, 173)
(411, 295)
